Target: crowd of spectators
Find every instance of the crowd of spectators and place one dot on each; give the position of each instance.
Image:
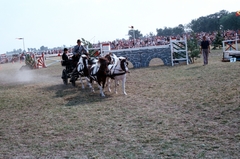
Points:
(136, 43)
(227, 35)
(149, 41)
(164, 40)
(153, 41)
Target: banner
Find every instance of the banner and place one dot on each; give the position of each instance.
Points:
(238, 13)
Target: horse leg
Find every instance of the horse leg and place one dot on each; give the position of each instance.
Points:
(90, 84)
(109, 84)
(101, 91)
(101, 88)
(116, 84)
(123, 85)
(88, 81)
(82, 82)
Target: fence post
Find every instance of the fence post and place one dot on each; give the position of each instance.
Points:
(236, 43)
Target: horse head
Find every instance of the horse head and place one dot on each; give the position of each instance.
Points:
(123, 63)
(110, 57)
(103, 62)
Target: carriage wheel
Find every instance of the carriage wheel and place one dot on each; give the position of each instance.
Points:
(73, 80)
(65, 77)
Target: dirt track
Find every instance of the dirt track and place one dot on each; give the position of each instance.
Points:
(10, 73)
(170, 112)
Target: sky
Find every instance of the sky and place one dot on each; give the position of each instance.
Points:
(59, 23)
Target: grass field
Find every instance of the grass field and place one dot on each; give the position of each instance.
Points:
(185, 111)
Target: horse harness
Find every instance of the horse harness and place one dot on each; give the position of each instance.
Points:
(116, 74)
(93, 75)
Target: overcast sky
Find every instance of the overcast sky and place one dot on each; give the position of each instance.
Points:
(53, 23)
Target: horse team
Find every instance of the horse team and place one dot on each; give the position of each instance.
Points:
(102, 70)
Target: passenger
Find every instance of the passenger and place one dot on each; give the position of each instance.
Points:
(66, 61)
(65, 55)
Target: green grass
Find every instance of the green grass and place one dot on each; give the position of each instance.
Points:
(185, 111)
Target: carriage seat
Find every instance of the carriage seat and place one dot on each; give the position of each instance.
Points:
(68, 64)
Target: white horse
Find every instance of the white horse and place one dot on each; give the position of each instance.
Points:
(118, 71)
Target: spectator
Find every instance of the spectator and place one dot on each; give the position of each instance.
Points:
(205, 50)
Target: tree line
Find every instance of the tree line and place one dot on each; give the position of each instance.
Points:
(222, 20)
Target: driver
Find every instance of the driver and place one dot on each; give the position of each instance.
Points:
(78, 50)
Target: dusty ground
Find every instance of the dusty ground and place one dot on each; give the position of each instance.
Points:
(185, 111)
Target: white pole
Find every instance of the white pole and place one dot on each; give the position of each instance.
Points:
(236, 44)
(223, 44)
(44, 63)
(23, 45)
(35, 60)
(171, 49)
(133, 35)
(133, 38)
(101, 47)
(186, 48)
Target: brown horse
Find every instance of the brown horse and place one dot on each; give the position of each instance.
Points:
(99, 73)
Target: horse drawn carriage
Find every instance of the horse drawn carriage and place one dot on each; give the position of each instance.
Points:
(71, 65)
(96, 68)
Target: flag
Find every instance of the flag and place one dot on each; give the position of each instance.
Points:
(19, 38)
(238, 13)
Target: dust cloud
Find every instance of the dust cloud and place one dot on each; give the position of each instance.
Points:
(14, 74)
